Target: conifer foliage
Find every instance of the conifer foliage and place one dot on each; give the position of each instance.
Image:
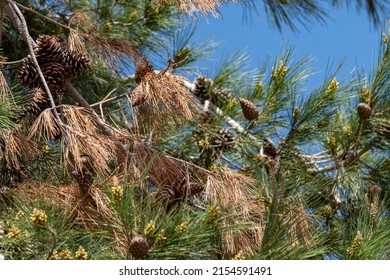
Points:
(108, 151)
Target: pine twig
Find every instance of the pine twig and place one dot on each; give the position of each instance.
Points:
(109, 100)
(165, 70)
(11, 64)
(189, 163)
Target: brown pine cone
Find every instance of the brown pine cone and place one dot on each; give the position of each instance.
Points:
(55, 75)
(269, 148)
(48, 49)
(75, 63)
(27, 74)
(139, 247)
(202, 88)
(191, 188)
(249, 109)
(364, 111)
(36, 105)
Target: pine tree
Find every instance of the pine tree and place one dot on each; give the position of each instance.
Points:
(109, 152)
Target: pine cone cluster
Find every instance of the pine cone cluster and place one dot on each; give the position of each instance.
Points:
(249, 109)
(206, 90)
(224, 140)
(57, 64)
(139, 247)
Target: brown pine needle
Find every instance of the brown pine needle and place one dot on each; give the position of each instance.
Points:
(164, 100)
(80, 135)
(192, 7)
(236, 194)
(298, 220)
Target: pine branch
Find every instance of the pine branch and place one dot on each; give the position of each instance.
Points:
(209, 106)
(21, 24)
(11, 64)
(375, 9)
(316, 159)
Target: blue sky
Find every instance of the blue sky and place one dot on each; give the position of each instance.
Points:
(347, 36)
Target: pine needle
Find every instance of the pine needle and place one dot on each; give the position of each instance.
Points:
(192, 7)
(165, 101)
(237, 195)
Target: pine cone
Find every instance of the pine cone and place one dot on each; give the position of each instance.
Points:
(87, 163)
(269, 148)
(224, 140)
(27, 74)
(75, 63)
(192, 188)
(37, 104)
(364, 111)
(48, 49)
(208, 118)
(249, 109)
(167, 194)
(202, 88)
(84, 180)
(220, 96)
(143, 67)
(139, 247)
(55, 75)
